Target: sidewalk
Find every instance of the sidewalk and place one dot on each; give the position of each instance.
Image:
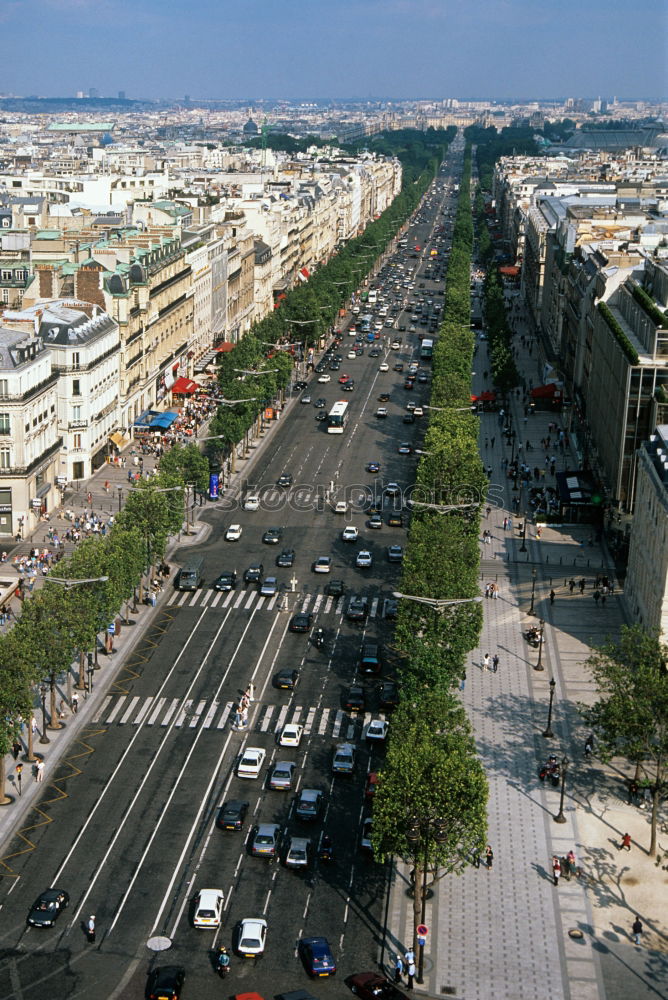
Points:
(505, 933)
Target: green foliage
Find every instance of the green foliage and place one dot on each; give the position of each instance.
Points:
(504, 371)
(515, 140)
(621, 338)
(646, 302)
(188, 463)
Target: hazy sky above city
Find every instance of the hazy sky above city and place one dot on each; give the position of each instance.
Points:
(335, 48)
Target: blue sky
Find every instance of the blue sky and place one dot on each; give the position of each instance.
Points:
(335, 48)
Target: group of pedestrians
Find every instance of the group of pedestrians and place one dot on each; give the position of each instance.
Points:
(405, 966)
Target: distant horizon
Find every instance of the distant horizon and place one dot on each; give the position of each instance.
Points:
(158, 47)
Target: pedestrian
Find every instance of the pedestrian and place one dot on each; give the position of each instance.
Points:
(16, 749)
(589, 745)
(398, 969)
(39, 770)
(552, 596)
(495, 662)
(492, 440)
(637, 930)
(571, 585)
(485, 662)
(597, 596)
(90, 928)
(61, 709)
(539, 531)
(556, 869)
(582, 585)
(626, 842)
(75, 703)
(489, 857)
(410, 973)
(569, 864)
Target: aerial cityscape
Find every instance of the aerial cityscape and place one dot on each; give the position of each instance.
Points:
(333, 500)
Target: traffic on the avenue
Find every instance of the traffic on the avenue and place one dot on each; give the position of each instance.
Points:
(218, 818)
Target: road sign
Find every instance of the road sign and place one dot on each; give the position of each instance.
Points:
(422, 930)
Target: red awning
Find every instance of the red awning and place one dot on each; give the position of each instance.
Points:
(485, 397)
(509, 271)
(549, 391)
(184, 386)
(303, 274)
(227, 345)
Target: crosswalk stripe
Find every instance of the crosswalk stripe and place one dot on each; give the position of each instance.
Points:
(208, 719)
(217, 598)
(173, 598)
(156, 711)
(129, 710)
(170, 711)
(374, 608)
(339, 606)
(308, 725)
(249, 601)
(260, 602)
(116, 709)
(316, 604)
(143, 710)
(198, 711)
(185, 597)
(272, 601)
(281, 718)
(240, 598)
(337, 724)
(266, 718)
(206, 596)
(102, 709)
(306, 602)
(224, 715)
(297, 711)
(185, 711)
(324, 721)
(328, 605)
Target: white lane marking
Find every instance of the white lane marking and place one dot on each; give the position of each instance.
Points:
(159, 705)
(208, 719)
(103, 708)
(198, 711)
(143, 710)
(129, 710)
(115, 710)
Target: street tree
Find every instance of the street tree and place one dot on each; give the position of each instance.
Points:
(630, 716)
(187, 462)
(17, 675)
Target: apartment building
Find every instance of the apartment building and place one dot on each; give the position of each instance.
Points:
(646, 583)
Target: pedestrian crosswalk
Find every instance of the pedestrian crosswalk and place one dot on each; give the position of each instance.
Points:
(189, 713)
(252, 599)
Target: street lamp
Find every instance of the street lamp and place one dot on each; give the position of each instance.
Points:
(438, 604)
(42, 693)
(250, 371)
(419, 835)
(548, 734)
(533, 590)
(442, 509)
(541, 627)
(75, 583)
(523, 546)
(560, 818)
(120, 496)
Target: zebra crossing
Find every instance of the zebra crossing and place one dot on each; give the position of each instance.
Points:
(248, 599)
(129, 710)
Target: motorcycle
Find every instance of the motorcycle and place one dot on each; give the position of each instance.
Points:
(532, 636)
(222, 962)
(319, 638)
(326, 849)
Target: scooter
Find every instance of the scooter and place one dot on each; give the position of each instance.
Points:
(551, 770)
(532, 636)
(318, 638)
(222, 962)
(326, 850)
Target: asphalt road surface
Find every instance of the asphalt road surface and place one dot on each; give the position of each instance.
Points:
(134, 838)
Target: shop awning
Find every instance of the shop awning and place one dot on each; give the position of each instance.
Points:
(509, 271)
(549, 391)
(144, 420)
(303, 274)
(118, 439)
(163, 420)
(227, 345)
(184, 386)
(485, 397)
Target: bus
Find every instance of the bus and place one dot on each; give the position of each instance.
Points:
(365, 322)
(426, 349)
(337, 417)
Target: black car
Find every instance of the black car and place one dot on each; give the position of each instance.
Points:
(390, 608)
(348, 386)
(370, 659)
(298, 386)
(226, 581)
(165, 983)
(358, 609)
(301, 622)
(409, 418)
(231, 816)
(354, 699)
(47, 908)
(286, 680)
(384, 397)
(284, 480)
(320, 404)
(388, 695)
(272, 536)
(321, 416)
(396, 519)
(254, 573)
(335, 588)
(285, 558)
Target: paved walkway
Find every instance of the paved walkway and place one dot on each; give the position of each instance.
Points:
(505, 933)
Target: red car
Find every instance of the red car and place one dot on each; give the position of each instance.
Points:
(343, 378)
(371, 784)
(371, 986)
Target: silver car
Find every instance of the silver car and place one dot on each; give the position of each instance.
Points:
(298, 854)
(282, 775)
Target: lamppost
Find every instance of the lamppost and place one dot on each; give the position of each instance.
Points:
(523, 546)
(560, 818)
(437, 603)
(120, 496)
(441, 508)
(42, 693)
(541, 627)
(420, 834)
(533, 590)
(548, 734)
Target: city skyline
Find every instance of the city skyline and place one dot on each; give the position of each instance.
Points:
(368, 49)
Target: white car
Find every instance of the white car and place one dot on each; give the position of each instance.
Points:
(376, 730)
(418, 411)
(323, 564)
(291, 735)
(251, 762)
(252, 502)
(340, 507)
(208, 908)
(233, 533)
(324, 378)
(364, 559)
(383, 367)
(352, 354)
(381, 411)
(252, 937)
(349, 534)
(396, 345)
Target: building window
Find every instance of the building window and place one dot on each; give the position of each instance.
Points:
(6, 275)
(4, 387)
(76, 413)
(5, 458)
(76, 359)
(76, 440)
(5, 424)
(5, 296)
(76, 387)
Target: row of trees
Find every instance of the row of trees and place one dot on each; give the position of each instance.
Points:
(431, 804)
(60, 623)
